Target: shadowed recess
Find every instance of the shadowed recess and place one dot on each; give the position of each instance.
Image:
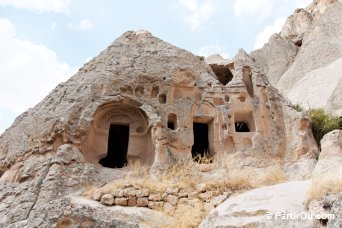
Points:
(117, 147)
(241, 127)
(223, 74)
(201, 141)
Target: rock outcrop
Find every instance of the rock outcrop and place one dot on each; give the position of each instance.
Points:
(330, 204)
(325, 195)
(330, 158)
(304, 61)
(143, 100)
(317, 201)
(262, 207)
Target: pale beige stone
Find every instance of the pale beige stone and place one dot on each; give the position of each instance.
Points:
(155, 197)
(97, 194)
(157, 205)
(142, 192)
(107, 199)
(142, 202)
(117, 192)
(121, 201)
(129, 192)
(132, 201)
(172, 199)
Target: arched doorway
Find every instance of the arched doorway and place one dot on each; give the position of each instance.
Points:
(118, 135)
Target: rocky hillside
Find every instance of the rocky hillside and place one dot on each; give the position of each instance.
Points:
(304, 61)
(256, 155)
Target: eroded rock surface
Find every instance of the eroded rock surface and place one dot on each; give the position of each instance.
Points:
(159, 95)
(250, 208)
(330, 158)
(304, 60)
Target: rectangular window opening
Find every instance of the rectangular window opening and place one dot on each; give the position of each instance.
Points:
(241, 127)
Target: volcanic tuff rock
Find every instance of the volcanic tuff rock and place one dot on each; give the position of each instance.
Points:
(52, 151)
(304, 61)
(330, 158)
(249, 208)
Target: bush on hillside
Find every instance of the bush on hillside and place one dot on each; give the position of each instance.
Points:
(322, 122)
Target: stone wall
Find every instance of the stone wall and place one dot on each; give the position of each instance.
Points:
(134, 196)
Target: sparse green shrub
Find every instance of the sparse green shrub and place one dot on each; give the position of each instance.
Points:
(297, 107)
(322, 122)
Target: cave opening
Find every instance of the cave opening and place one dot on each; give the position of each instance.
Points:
(241, 127)
(171, 125)
(172, 121)
(201, 140)
(223, 74)
(117, 147)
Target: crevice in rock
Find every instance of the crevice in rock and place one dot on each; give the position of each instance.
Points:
(40, 182)
(247, 79)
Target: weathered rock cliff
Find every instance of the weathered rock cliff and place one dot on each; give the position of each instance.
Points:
(304, 61)
(161, 94)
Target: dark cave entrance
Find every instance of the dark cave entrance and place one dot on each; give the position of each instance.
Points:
(117, 147)
(201, 140)
(171, 125)
(241, 127)
(223, 74)
(172, 121)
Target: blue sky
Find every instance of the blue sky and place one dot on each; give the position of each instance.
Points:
(42, 43)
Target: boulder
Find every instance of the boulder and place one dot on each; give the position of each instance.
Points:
(253, 207)
(330, 158)
(107, 199)
(97, 195)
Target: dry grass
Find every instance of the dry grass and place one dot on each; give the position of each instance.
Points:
(88, 191)
(203, 159)
(321, 185)
(188, 216)
(217, 176)
(271, 175)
